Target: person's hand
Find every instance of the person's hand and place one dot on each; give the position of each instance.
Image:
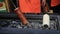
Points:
(16, 9)
(43, 2)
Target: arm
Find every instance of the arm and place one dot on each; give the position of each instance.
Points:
(21, 16)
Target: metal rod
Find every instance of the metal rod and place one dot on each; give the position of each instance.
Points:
(13, 4)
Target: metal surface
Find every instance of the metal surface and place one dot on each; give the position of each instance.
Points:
(9, 23)
(27, 31)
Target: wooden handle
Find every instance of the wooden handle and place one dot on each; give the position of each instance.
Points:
(21, 16)
(7, 5)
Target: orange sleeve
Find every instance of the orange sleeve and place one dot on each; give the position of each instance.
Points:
(54, 3)
(30, 6)
(59, 2)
